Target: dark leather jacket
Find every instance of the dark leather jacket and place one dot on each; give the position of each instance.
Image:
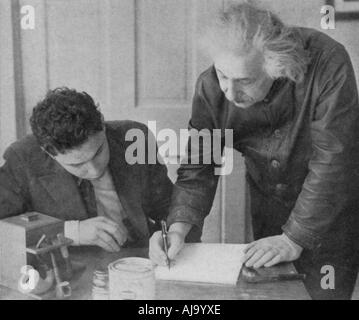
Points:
(301, 145)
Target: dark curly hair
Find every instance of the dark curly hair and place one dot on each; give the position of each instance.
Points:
(65, 119)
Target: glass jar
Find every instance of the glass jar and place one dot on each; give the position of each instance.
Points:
(100, 289)
(132, 279)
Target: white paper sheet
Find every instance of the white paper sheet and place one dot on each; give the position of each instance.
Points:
(205, 262)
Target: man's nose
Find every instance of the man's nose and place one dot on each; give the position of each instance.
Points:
(231, 90)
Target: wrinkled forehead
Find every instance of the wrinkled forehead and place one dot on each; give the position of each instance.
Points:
(84, 152)
(234, 66)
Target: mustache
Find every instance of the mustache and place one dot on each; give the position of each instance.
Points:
(243, 99)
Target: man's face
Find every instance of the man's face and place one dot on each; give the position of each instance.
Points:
(88, 161)
(242, 78)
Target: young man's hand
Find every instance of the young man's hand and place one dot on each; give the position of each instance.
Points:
(102, 232)
(271, 251)
(175, 238)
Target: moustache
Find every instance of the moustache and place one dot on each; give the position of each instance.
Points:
(242, 99)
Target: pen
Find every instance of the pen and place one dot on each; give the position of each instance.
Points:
(165, 244)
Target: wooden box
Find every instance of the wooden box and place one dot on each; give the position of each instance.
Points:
(18, 238)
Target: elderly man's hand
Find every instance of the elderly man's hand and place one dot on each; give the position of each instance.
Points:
(176, 237)
(156, 250)
(270, 251)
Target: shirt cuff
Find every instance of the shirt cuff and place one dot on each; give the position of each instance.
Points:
(71, 230)
(190, 216)
(300, 235)
(187, 215)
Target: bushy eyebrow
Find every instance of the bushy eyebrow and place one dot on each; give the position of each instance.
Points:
(239, 79)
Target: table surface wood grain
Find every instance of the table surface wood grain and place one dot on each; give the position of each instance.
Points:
(94, 258)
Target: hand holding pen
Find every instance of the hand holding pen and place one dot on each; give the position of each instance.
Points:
(165, 244)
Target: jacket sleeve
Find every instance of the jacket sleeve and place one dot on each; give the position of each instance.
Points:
(159, 187)
(196, 184)
(328, 186)
(160, 192)
(13, 199)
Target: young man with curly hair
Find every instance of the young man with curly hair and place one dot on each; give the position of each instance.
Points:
(73, 167)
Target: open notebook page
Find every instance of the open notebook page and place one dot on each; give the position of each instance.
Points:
(205, 262)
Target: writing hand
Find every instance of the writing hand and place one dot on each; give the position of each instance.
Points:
(156, 251)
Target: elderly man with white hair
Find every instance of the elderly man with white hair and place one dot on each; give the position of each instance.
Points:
(290, 96)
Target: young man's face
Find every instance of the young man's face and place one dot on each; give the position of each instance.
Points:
(88, 161)
(242, 78)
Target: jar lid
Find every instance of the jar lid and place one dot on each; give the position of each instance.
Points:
(132, 265)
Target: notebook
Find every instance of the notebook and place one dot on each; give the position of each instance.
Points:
(218, 263)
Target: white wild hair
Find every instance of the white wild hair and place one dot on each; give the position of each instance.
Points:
(244, 27)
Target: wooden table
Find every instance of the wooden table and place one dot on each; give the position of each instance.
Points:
(171, 290)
